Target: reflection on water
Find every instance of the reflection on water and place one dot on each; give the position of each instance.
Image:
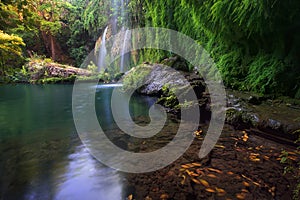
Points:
(41, 156)
(88, 176)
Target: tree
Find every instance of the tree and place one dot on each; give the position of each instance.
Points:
(10, 49)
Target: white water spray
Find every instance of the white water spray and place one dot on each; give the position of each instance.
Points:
(102, 51)
(123, 50)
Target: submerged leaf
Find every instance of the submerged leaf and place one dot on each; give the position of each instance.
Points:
(245, 136)
(215, 170)
(246, 184)
(196, 164)
(204, 182)
(211, 175)
(183, 180)
(210, 190)
(240, 196)
(220, 190)
(196, 181)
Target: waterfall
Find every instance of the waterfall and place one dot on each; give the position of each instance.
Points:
(102, 51)
(124, 47)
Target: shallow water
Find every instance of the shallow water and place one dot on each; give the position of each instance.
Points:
(41, 155)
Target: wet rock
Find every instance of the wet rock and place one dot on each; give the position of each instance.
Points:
(254, 100)
(272, 118)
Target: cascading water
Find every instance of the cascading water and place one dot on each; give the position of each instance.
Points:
(123, 50)
(102, 51)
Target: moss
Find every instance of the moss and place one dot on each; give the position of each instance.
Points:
(168, 98)
(240, 118)
(136, 76)
(53, 80)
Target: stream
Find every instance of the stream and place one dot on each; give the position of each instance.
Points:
(42, 157)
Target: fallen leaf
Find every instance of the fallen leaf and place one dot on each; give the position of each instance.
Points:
(246, 184)
(215, 170)
(148, 198)
(256, 183)
(266, 157)
(220, 146)
(194, 174)
(259, 147)
(294, 158)
(240, 196)
(245, 136)
(253, 157)
(190, 173)
(230, 173)
(204, 182)
(183, 180)
(164, 196)
(198, 132)
(186, 166)
(210, 190)
(292, 153)
(211, 175)
(196, 181)
(244, 190)
(182, 169)
(199, 171)
(196, 164)
(220, 190)
(272, 191)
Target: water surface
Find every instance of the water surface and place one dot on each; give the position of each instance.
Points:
(41, 155)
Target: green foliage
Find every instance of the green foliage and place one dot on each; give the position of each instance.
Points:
(10, 50)
(253, 43)
(265, 74)
(136, 77)
(95, 16)
(168, 98)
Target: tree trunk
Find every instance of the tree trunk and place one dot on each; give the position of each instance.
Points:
(53, 48)
(53, 56)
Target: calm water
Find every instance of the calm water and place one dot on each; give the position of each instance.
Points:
(41, 156)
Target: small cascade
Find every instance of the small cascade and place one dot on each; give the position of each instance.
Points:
(123, 50)
(102, 51)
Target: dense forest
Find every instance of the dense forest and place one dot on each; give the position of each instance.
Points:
(255, 44)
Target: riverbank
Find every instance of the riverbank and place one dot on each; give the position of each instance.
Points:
(46, 71)
(256, 156)
(270, 117)
(241, 166)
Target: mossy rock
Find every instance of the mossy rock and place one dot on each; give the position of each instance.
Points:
(136, 76)
(241, 119)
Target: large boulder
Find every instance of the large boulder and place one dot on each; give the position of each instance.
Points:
(42, 69)
(153, 77)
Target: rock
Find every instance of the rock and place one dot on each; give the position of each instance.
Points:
(254, 100)
(168, 84)
(153, 78)
(42, 70)
(272, 117)
(176, 63)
